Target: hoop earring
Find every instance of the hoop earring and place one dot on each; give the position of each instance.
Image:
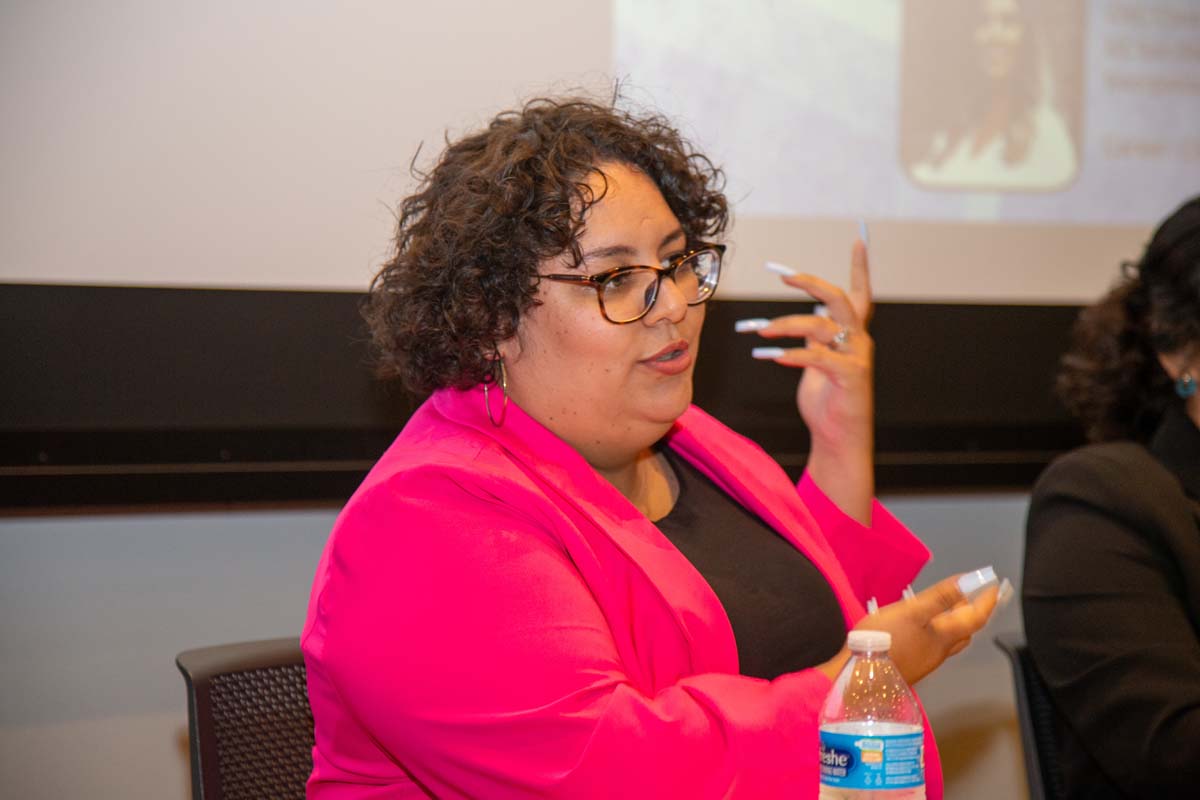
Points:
(497, 362)
(1185, 385)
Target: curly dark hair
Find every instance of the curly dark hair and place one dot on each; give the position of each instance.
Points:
(496, 203)
(1111, 378)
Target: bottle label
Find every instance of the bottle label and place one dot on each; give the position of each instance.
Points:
(861, 761)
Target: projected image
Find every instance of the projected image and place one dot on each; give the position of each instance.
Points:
(991, 93)
(1083, 112)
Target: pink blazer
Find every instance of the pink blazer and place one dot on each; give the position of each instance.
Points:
(492, 619)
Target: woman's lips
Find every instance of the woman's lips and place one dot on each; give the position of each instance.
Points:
(671, 360)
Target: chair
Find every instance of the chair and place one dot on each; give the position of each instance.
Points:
(250, 728)
(1035, 714)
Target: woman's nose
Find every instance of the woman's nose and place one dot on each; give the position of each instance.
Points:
(669, 304)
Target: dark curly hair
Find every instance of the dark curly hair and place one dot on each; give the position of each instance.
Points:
(497, 202)
(1111, 378)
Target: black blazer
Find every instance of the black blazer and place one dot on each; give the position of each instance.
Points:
(1111, 599)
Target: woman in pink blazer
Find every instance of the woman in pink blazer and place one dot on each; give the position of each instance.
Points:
(563, 579)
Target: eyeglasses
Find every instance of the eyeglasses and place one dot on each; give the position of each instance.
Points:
(627, 294)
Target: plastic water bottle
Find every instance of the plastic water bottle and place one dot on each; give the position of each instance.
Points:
(872, 731)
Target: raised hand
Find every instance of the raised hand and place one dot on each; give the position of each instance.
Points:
(835, 397)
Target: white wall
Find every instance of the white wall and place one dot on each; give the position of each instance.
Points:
(93, 610)
(248, 142)
(970, 700)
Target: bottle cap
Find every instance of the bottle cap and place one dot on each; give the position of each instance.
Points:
(875, 641)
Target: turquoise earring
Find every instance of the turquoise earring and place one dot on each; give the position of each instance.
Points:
(1185, 385)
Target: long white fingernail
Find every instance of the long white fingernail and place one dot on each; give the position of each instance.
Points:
(1006, 593)
(819, 310)
(748, 325)
(780, 269)
(863, 233)
(872, 606)
(974, 581)
(767, 352)
(908, 592)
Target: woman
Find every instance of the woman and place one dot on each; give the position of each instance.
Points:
(1112, 559)
(497, 613)
(982, 109)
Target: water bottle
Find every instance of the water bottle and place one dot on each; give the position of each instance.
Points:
(872, 730)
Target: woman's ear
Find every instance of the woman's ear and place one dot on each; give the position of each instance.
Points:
(509, 349)
(1172, 364)
(1175, 364)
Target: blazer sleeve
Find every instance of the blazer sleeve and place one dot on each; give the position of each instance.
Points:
(879, 560)
(1106, 620)
(478, 659)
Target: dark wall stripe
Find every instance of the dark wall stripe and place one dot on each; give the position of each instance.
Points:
(120, 396)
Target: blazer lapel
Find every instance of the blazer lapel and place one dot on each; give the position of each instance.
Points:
(564, 474)
(756, 481)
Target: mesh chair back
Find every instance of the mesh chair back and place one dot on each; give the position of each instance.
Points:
(250, 727)
(1035, 713)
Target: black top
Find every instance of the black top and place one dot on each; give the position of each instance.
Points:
(784, 614)
(1111, 599)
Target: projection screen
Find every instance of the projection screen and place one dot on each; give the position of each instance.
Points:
(1002, 151)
